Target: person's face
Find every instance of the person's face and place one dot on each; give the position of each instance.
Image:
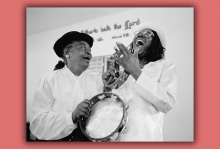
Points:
(142, 39)
(80, 54)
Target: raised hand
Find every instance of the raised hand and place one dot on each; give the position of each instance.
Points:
(128, 61)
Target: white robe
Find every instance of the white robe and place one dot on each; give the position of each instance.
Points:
(149, 99)
(56, 97)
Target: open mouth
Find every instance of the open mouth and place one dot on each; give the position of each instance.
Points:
(139, 43)
(87, 58)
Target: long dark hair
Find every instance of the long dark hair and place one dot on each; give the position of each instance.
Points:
(152, 53)
(59, 65)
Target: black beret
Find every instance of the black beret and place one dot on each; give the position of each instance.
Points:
(68, 38)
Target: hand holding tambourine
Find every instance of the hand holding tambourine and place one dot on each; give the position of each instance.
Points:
(82, 110)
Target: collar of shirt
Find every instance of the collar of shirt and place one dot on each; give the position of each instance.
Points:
(71, 75)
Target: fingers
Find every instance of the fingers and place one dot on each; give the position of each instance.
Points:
(117, 51)
(122, 49)
(108, 74)
(119, 61)
(83, 113)
(84, 108)
(111, 72)
(111, 67)
(86, 103)
(136, 50)
(80, 113)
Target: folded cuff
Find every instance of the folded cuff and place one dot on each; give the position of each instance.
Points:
(69, 119)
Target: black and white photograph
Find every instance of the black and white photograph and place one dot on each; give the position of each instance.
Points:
(110, 74)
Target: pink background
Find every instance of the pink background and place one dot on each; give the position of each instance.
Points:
(13, 73)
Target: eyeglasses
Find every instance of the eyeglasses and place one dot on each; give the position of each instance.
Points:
(144, 33)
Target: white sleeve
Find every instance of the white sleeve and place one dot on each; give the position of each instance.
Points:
(99, 84)
(162, 93)
(46, 124)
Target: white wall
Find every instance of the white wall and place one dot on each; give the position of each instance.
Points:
(178, 24)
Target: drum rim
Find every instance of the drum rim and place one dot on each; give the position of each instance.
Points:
(117, 80)
(119, 126)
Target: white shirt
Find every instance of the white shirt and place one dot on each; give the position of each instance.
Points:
(149, 98)
(56, 97)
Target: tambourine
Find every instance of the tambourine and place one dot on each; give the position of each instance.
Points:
(108, 118)
(120, 76)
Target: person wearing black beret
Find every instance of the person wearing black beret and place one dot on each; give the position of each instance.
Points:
(62, 96)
